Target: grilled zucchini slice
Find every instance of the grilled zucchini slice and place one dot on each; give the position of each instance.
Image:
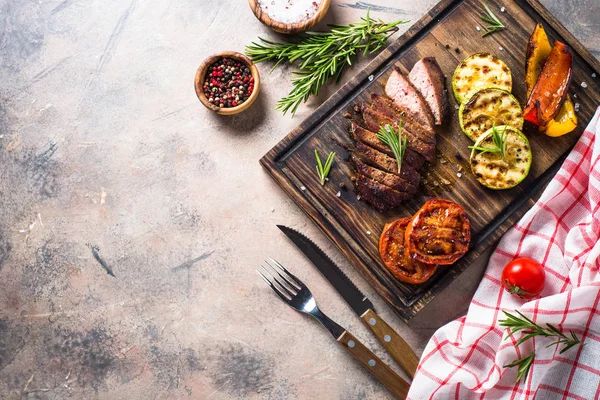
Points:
(491, 170)
(477, 71)
(486, 108)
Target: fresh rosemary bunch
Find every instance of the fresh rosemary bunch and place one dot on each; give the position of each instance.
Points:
(495, 24)
(322, 55)
(395, 141)
(530, 329)
(499, 143)
(323, 169)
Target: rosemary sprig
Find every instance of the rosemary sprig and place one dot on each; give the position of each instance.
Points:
(323, 170)
(530, 329)
(395, 141)
(495, 24)
(322, 55)
(499, 143)
(524, 365)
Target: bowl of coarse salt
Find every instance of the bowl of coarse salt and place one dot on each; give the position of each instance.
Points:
(289, 16)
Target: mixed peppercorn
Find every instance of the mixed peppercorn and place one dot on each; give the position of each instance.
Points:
(228, 83)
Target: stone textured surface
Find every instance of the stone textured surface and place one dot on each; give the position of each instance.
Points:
(108, 161)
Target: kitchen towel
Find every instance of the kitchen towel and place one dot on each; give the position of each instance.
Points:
(464, 359)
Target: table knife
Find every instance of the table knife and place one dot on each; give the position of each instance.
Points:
(362, 306)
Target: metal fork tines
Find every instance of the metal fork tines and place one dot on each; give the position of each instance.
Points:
(295, 293)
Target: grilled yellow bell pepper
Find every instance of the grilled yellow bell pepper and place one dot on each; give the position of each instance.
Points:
(564, 122)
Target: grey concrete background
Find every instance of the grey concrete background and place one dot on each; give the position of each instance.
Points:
(106, 156)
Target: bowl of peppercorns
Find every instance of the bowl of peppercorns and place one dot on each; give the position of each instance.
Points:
(227, 82)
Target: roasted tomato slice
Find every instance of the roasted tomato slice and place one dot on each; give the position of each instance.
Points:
(439, 233)
(391, 249)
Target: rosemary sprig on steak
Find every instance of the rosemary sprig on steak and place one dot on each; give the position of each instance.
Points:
(322, 55)
(395, 141)
(323, 169)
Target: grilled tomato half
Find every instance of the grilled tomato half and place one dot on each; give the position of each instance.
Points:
(392, 251)
(439, 233)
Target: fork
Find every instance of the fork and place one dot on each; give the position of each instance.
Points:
(296, 295)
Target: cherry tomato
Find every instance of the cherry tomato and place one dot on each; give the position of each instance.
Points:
(524, 277)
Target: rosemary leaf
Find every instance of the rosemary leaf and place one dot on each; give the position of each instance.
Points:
(495, 24)
(523, 364)
(323, 170)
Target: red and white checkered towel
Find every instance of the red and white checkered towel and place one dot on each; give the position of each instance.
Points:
(464, 359)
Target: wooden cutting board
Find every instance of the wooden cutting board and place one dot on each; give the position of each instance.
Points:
(448, 32)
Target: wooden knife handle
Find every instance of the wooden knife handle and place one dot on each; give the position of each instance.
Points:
(383, 373)
(393, 343)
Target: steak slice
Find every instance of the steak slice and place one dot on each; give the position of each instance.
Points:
(428, 78)
(379, 196)
(373, 120)
(384, 162)
(385, 178)
(399, 88)
(370, 138)
(386, 106)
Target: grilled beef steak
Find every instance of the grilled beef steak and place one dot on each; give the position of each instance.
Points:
(378, 181)
(399, 88)
(386, 106)
(381, 197)
(386, 163)
(385, 178)
(428, 78)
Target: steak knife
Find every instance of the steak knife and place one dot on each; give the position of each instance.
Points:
(362, 306)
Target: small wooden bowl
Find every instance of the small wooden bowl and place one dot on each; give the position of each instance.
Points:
(297, 27)
(201, 74)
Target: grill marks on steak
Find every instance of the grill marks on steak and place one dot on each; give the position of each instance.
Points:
(374, 119)
(385, 178)
(402, 91)
(370, 138)
(378, 181)
(379, 196)
(428, 78)
(387, 107)
(386, 163)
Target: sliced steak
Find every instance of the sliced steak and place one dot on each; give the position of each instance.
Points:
(379, 196)
(399, 88)
(373, 120)
(384, 162)
(387, 107)
(428, 78)
(385, 178)
(370, 138)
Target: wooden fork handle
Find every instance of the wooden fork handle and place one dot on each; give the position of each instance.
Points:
(393, 343)
(384, 374)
